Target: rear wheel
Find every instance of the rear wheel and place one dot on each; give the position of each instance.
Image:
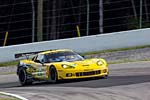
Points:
(53, 74)
(23, 77)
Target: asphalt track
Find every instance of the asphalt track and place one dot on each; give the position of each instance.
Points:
(129, 81)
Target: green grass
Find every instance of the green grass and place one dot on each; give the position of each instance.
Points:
(9, 99)
(115, 50)
(126, 61)
(6, 73)
(12, 63)
(5, 97)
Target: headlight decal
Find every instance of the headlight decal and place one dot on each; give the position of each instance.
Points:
(64, 66)
(68, 66)
(100, 63)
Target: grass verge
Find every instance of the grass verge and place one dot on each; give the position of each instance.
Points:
(114, 50)
(5, 97)
(126, 61)
(11, 63)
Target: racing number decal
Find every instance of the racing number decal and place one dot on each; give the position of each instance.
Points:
(39, 72)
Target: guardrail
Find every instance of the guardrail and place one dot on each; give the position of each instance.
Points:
(82, 44)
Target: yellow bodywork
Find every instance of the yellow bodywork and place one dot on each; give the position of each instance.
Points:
(71, 70)
(82, 69)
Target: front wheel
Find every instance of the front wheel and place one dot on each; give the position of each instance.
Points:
(53, 74)
(23, 77)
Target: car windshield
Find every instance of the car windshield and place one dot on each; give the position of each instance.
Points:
(63, 56)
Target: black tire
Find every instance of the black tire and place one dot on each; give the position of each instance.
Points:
(23, 77)
(53, 75)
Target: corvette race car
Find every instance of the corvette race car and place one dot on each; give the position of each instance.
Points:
(55, 65)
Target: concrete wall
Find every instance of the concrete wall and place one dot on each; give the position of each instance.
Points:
(82, 44)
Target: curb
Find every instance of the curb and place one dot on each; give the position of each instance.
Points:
(13, 95)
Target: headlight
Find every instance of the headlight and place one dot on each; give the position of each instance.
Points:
(100, 63)
(64, 66)
(68, 66)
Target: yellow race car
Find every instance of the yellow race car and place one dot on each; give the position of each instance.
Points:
(55, 65)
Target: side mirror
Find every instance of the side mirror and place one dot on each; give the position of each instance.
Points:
(42, 62)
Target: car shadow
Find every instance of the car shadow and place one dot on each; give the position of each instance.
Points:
(88, 82)
(97, 82)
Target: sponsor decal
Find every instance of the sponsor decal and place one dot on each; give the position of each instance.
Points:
(39, 72)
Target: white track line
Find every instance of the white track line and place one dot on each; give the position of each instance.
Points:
(14, 95)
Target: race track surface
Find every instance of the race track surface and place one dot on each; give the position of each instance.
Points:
(129, 81)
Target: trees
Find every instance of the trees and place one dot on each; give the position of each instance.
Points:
(60, 18)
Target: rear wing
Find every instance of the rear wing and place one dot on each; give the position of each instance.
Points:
(27, 54)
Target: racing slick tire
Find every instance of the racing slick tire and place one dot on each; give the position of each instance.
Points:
(23, 77)
(53, 75)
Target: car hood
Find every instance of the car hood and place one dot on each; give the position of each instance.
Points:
(83, 63)
(87, 62)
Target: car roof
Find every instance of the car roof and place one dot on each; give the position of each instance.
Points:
(53, 51)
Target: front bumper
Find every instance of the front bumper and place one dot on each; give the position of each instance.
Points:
(75, 74)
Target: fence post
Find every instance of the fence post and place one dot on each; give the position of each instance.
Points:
(5, 40)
